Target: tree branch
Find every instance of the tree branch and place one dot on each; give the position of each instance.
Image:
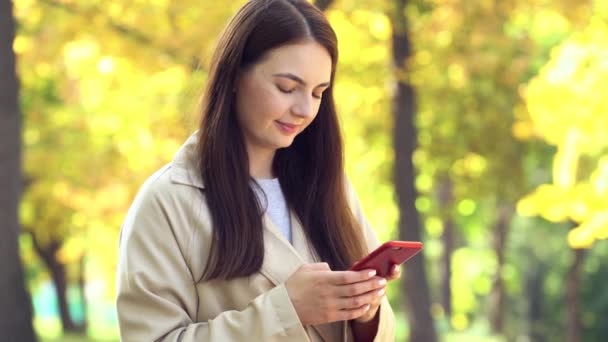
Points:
(137, 36)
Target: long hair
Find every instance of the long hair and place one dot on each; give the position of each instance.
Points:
(310, 171)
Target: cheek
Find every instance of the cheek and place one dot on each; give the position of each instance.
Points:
(271, 105)
(317, 108)
(316, 111)
(263, 103)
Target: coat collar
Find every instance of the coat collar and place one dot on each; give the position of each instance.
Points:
(282, 258)
(184, 168)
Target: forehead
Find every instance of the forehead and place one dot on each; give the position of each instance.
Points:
(309, 61)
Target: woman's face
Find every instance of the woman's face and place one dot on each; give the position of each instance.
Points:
(278, 97)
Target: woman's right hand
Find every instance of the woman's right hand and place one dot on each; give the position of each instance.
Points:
(321, 295)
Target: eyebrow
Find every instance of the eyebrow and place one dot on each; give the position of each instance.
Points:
(299, 80)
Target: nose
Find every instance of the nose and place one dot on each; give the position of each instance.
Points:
(304, 107)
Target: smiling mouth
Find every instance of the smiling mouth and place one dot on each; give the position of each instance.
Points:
(287, 128)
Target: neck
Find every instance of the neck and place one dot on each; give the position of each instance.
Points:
(260, 162)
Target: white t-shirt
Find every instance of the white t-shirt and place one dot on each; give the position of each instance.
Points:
(276, 206)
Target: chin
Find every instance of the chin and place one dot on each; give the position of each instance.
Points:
(284, 144)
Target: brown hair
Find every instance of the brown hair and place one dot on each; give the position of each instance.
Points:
(310, 171)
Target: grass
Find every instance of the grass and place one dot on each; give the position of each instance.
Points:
(74, 338)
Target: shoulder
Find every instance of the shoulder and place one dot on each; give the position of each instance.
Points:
(159, 190)
(168, 192)
(177, 183)
(155, 186)
(165, 209)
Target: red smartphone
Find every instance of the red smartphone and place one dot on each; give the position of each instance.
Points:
(388, 254)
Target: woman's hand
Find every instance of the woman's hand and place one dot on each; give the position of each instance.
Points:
(375, 304)
(320, 295)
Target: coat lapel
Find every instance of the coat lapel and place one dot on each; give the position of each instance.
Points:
(282, 259)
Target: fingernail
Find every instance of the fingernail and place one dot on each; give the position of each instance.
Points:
(381, 281)
(381, 292)
(366, 307)
(372, 273)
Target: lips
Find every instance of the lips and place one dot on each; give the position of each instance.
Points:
(287, 128)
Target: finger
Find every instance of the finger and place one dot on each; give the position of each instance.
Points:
(318, 266)
(395, 272)
(349, 277)
(350, 290)
(372, 298)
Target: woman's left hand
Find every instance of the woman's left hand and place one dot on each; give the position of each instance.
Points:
(381, 293)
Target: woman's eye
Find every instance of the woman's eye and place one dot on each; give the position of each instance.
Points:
(286, 91)
(291, 90)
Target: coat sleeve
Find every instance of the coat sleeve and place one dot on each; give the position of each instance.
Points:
(386, 324)
(156, 292)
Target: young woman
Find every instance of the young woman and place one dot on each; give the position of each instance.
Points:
(248, 233)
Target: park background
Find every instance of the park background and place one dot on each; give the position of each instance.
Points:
(478, 127)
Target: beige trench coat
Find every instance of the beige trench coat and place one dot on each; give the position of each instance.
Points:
(163, 251)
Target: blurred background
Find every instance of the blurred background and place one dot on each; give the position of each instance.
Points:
(478, 127)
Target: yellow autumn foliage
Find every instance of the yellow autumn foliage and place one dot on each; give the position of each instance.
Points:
(568, 107)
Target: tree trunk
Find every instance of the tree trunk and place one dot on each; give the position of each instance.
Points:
(83, 297)
(446, 198)
(497, 294)
(58, 274)
(48, 254)
(415, 284)
(15, 303)
(535, 275)
(573, 312)
(446, 266)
